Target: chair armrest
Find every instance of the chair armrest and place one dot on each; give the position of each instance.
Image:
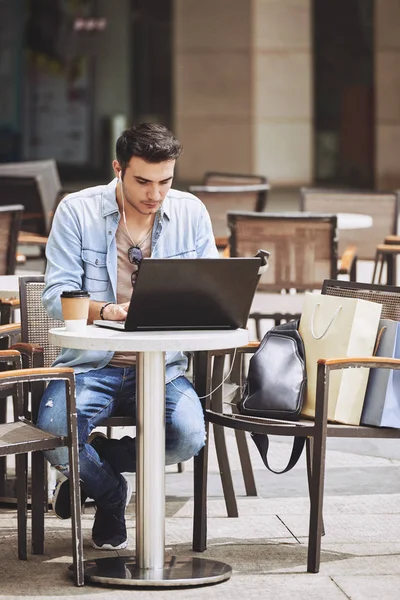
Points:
(33, 354)
(221, 241)
(370, 362)
(10, 332)
(26, 238)
(347, 260)
(10, 329)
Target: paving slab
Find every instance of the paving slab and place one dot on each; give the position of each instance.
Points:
(361, 587)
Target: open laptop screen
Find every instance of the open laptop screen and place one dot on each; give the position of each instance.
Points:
(200, 293)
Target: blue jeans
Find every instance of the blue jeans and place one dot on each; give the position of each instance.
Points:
(109, 392)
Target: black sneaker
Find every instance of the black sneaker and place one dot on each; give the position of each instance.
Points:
(61, 499)
(109, 528)
(61, 502)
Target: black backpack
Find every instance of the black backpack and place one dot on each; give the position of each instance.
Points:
(276, 385)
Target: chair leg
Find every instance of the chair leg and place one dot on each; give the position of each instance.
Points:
(75, 500)
(199, 542)
(318, 472)
(220, 441)
(237, 376)
(3, 459)
(353, 271)
(21, 469)
(38, 501)
(245, 462)
(181, 467)
(309, 453)
(378, 261)
(225, 471)
(391, 260)
(201, 372)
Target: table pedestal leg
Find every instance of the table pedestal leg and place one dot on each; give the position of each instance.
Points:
(150, 567)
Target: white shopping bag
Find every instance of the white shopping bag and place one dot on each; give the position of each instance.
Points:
(335, 327)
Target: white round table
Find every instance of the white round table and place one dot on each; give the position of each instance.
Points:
(354, 221)
(150, 567)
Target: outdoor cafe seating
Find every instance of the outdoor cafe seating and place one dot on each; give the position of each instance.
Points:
(315, 431)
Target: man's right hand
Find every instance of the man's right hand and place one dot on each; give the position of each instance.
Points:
(111, 312)
(116, 312)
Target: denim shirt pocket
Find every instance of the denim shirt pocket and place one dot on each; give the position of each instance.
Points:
(95, 271)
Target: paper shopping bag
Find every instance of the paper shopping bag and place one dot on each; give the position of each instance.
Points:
(382, 398)
(335, 327)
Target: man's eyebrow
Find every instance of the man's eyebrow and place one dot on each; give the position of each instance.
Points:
(138, 178)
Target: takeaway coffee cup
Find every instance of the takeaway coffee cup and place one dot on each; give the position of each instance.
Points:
(75, 309)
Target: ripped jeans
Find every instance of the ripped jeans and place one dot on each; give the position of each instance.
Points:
(109, 392)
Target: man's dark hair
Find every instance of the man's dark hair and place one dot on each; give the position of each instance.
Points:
(150, 141)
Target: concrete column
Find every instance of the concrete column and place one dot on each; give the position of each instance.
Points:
(212, 84)
(387, 86)
(282, 90)
(243, 89)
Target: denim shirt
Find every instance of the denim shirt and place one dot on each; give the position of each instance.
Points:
(82, 254)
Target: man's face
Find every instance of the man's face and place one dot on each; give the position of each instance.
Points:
(145, 185)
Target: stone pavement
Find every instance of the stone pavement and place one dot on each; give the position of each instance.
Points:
(266, 546)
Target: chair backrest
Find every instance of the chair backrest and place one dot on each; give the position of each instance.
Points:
(218, 178)
(388, 296)
(381, 206)
(10, 225)
(35, 322)
(30, 191)
(220, 199)
(47, 169)
(303, 247)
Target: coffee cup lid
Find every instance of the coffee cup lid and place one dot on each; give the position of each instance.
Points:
(75, 294)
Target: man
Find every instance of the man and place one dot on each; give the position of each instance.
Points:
(97, 241)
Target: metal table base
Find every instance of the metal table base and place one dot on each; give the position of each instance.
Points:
(150, 567)
(177, 572)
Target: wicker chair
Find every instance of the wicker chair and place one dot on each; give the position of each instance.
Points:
(316, 432)
(21, 436)
(9, 334)
(382, 206)
(303, 251)
(218, 178)
(38, 352)
(10, 225)
(222, 192)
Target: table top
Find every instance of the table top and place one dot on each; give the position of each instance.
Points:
(354, 221)
(9, 286)
(93, 337)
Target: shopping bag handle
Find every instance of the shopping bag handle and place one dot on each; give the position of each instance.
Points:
(319, 337)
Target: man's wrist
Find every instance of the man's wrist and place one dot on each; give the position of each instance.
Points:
(102, 309)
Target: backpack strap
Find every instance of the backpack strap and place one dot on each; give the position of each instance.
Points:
(262, 443)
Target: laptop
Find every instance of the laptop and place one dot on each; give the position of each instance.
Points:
(199, 293)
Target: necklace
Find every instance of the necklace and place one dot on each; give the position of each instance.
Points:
(140, 242)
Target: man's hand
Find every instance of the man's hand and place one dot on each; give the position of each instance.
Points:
(111, 312)
(116, 312)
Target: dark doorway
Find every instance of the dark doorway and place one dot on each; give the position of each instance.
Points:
(152, 61)
(344, 92)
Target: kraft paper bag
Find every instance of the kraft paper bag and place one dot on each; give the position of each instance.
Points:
(382, 398)
(335, 327)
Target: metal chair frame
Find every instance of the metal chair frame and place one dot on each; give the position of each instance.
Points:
(316, 432)
(22, 436)
(10, 225)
